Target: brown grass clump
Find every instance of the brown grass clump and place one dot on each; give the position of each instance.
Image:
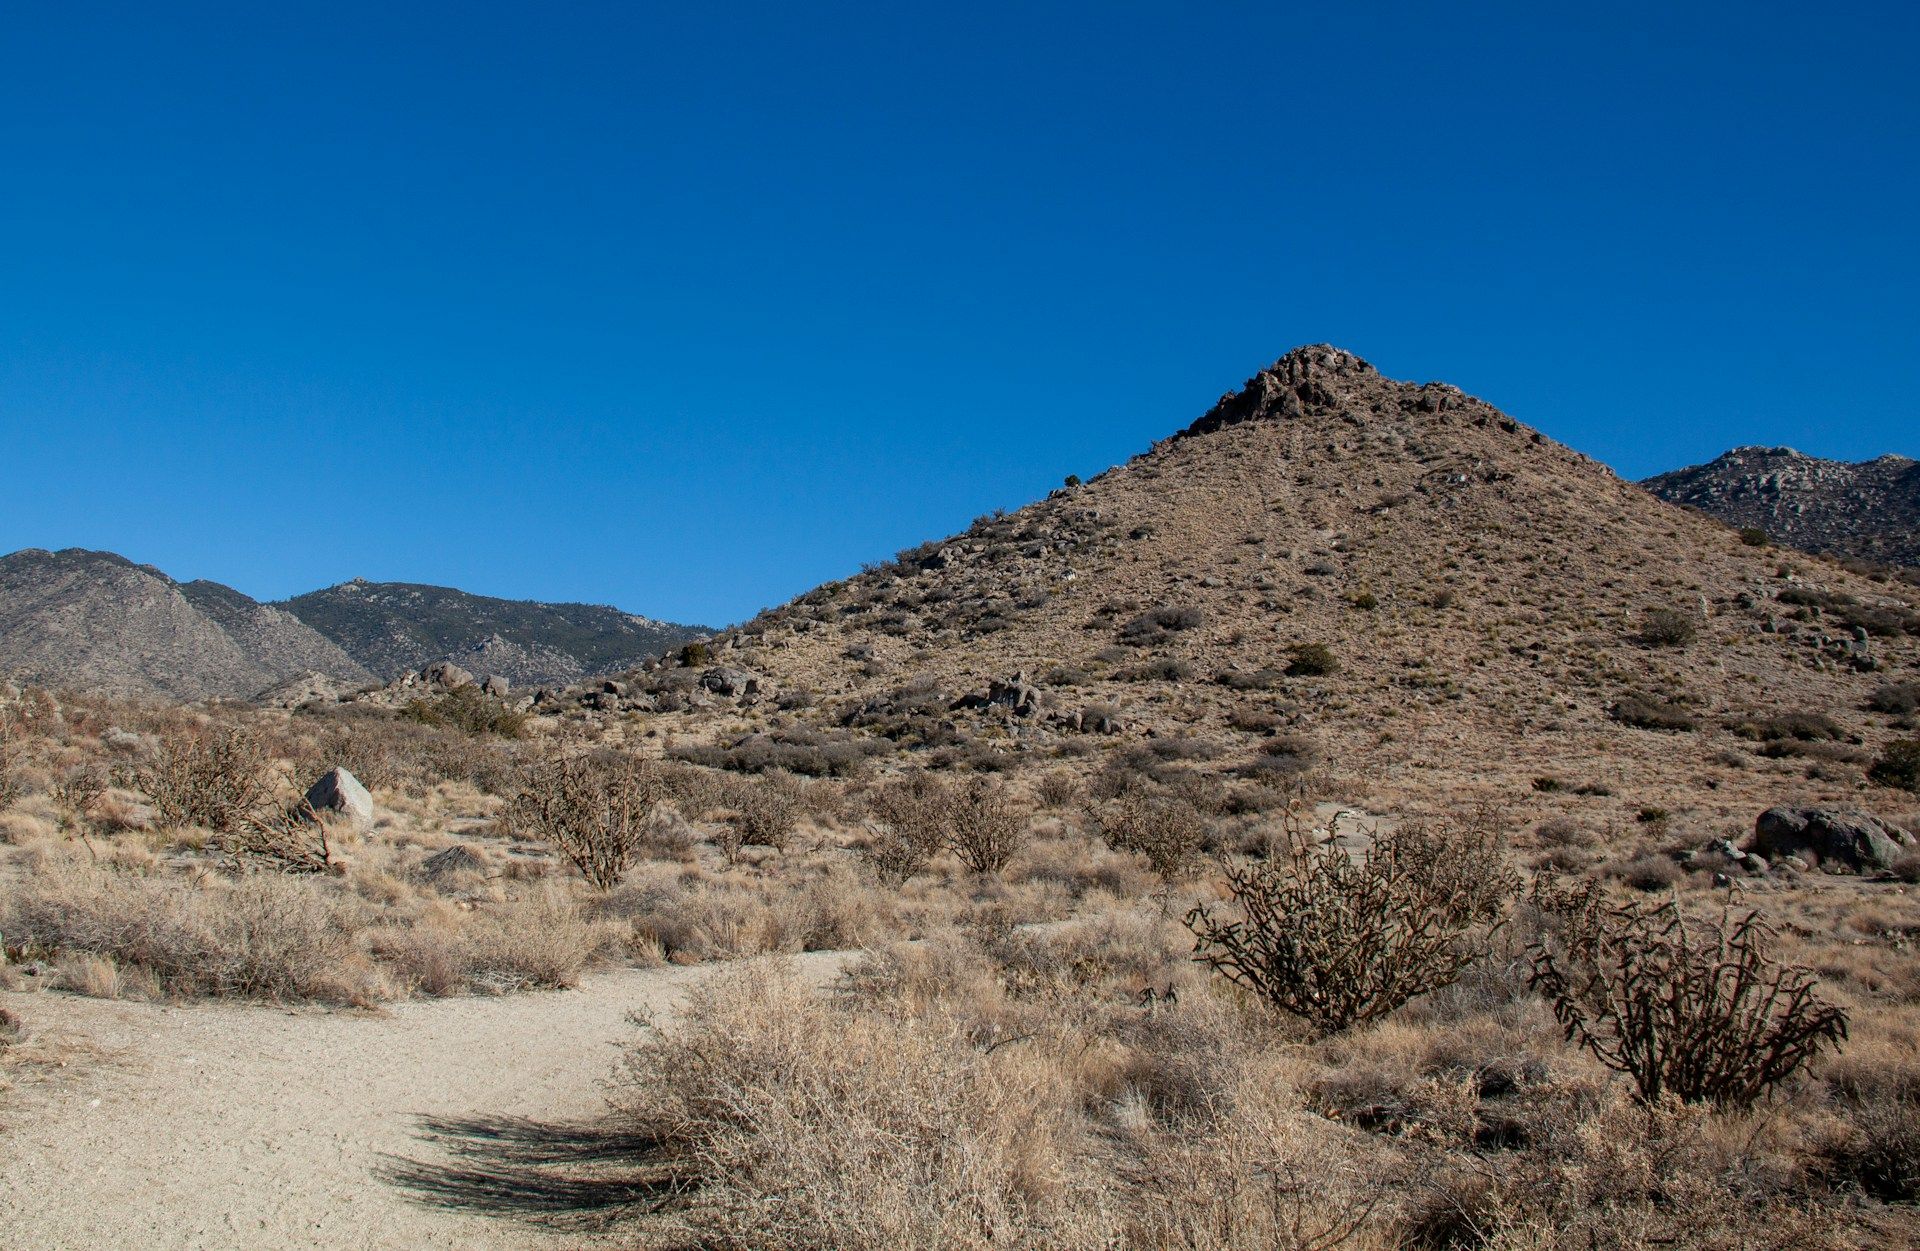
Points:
(812, 1127)
(264, 936)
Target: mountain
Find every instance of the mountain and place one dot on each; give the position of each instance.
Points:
(1867, 509)
(1505, 620)
(97, 622)
(392, 627)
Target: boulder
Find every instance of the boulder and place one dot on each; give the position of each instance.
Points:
(496, 686)
(454, 861)
(340, 793)
(1838, 840)
(730, 683)
(446, 675)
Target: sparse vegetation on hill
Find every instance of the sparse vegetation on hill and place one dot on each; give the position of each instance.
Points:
(997, 771)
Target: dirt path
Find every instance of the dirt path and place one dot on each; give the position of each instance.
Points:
(233, 1126)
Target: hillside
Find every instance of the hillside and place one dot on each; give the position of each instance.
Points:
(1508, 619)
(97, 622)
(1867, 509)
(393, 627)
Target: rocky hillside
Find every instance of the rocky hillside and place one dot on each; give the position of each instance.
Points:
(1394, 585)
(97, 622)
(1869, 509)
(396, 627)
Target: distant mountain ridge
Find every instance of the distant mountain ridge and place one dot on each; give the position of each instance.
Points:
(1866, 509)
(98, 622)
(393, 627)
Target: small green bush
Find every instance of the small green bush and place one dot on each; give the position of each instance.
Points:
(470, 709)
(1312, 660)
(1899, 765)
(1666, 627)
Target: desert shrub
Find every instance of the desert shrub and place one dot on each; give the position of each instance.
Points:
(1645, 713)
(1898, 765)
(1154, 625)
(1282, 756)
(1057, 790)
(469, 710)
(912, 812)
(1167, 830)
(1255, 720)
(1878, 1148)
(264, 936)
(1649, 873)
(1249, 680)
(797, 1123)
(363, 747)
(540, 940)
(1806, 727)
(1159, 669)
(591, 807)
(1667, 627)
(766, 808)
(1753, 536)
(1312, 660)
(1365, 601)
(13, 750)
(1686, 1006)
(696, 655)
(1066, 675)
(805, 752)
(294, 840)
(1896, 698)
(1340, 938)
(986, 826)
(216, 778)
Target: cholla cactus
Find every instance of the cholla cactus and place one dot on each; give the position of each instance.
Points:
(1689, 1007)
(1340, 938)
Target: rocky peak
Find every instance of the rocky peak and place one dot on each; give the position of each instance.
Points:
(1307, 378)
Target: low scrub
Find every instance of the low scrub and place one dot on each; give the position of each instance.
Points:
(264, 935)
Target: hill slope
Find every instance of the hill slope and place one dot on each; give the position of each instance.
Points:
(391, 627)
(1496, 604)
(97, 622)
(1867, 509)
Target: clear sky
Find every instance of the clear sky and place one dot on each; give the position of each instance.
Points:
(689, 307)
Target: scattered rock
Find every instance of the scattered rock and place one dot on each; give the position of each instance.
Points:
(339, 792)
(731, 683)
(496, 686)
(451, 863)
(446, 675)
(1835, 839)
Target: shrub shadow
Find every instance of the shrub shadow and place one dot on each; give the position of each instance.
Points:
(573, 1175)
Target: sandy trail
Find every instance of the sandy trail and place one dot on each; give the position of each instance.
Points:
(247, 1126)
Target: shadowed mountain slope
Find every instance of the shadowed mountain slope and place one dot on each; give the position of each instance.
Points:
(392, 627)
(1867, 509)
(97, 622)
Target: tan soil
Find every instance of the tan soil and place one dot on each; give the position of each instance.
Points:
(242, 1125)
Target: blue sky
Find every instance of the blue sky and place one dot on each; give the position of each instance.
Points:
(687, 308)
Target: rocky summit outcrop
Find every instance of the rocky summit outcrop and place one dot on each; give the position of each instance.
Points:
(399, 627)
(1867, 509)
(99, 623)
